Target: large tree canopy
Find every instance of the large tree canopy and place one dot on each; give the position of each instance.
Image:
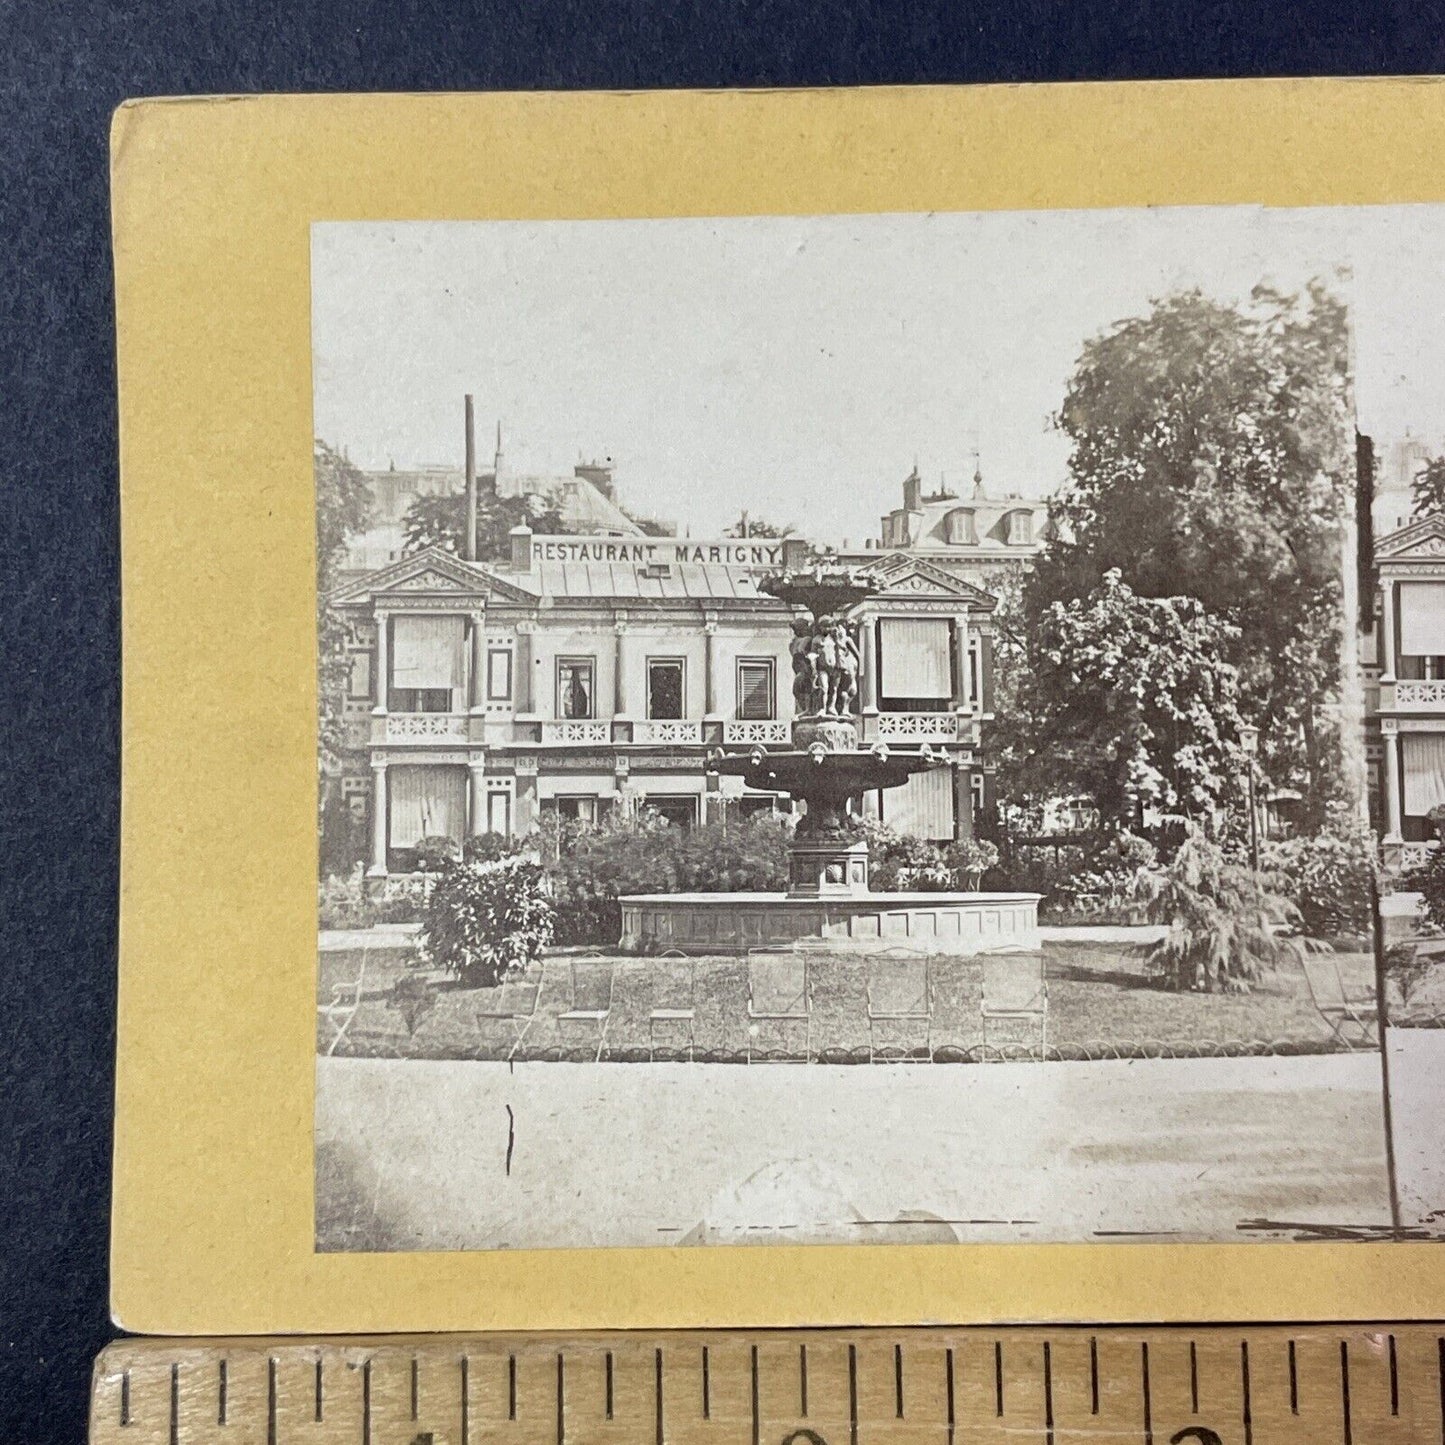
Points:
(1428, 489)
(1210, 454)
(441, 521)
(1130, 701)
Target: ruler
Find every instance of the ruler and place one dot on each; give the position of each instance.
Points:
(1211, 1385)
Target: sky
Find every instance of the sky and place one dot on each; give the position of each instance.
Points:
(799, 367)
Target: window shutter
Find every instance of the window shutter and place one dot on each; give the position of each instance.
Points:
(915, 660)
(427, 652)
(1422, 619)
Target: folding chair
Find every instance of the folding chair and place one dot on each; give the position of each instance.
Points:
(899, 986)
(1015, 991)
(780, 1003)
(673, 1009)
(1351, 1018)
(513, 1002)
(345, 1001)
(589, 998)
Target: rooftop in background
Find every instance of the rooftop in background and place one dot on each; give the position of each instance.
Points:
(1010, 526)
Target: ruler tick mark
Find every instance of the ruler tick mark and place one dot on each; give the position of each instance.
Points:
(561, 1399)
(948, 1384)
(365, 1400)
(1394, 1380)
(511, 1387)
(607, 1382)
(658, 1367)
(1440, 1370)
(898, 1381)
(852, 1395)
(706, 1391)
(271, 1400)
(1048, 1395)
(1093, 1375)
(320, 1398)
(1193, 1378)
(1345, 1391)
(125, 1391)
(175, 1404)
(998, 1377)
(1148, 1397)
(415, 1387)
(803, 1379)
(756, 1423)
(1244, 1381)
(466, 1402)
(221, 1390)
(1293, 1381)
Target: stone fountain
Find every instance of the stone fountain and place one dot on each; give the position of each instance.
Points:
(825, 768)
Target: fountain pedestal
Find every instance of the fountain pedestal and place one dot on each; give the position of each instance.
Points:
(819, 868)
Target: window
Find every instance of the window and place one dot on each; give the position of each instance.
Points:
(499, 813)
(575, 696)
(976, 793)
(360, 681)
(421, 699)
(426, 663)
(975, 671)
(664, 688)
(915, 664)
(579, 807)
(1020, 528)
(756, 698)
(499, 674)
(680, 811)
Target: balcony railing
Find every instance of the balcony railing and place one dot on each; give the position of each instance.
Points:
(1426, 694)
(917, 727)
(572, 731)
(425, 727)
(1414, 855)
(668, 731)
(740, 730)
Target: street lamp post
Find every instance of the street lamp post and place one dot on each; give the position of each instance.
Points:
(1249, 746)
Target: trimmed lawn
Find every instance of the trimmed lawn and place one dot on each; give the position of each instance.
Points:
(1101, 1003)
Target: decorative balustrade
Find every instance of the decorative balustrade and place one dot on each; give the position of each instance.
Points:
(1420, 693)
(575, 731)
(739, 730)
(1414, 855)
(425, 727)
(917, 727)
(667, 732)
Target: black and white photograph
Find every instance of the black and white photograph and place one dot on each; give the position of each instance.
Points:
(911, 728)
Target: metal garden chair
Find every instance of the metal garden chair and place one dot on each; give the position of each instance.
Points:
(779, 1004)
(513, 1002)
(1352, 1018)
(342, 1009)
(1015, 993)
(673, 1012)
(899, 986)
(588, 983)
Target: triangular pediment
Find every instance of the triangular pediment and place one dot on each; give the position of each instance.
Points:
(435, 572)
(1423, 541)
(911, 576)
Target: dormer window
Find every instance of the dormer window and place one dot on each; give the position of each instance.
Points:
(959, 528)
(1020, 528)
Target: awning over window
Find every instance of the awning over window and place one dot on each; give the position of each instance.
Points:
(1424, 757)
(427, 652)
(923, 806)
(915, 659)
(425, 803)
(1422, 619)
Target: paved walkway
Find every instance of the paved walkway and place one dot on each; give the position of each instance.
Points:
(465, 1155)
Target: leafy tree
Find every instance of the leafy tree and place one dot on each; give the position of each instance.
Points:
(1211, 456)
(486, 921)
(1226, 923)
(441, 521)
(343, 508)
(747, 526)
(1428, 489)
(1129, 700)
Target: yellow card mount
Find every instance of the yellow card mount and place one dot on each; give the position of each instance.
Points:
(1174, 1385)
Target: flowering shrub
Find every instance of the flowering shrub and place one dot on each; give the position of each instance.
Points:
(1327, 875)
(970, 856)
(486, 921)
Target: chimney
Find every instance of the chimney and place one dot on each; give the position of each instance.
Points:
(470, 543)
(521, 536)
(795, 553)
(913, 492)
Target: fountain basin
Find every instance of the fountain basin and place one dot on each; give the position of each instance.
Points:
(952, 923)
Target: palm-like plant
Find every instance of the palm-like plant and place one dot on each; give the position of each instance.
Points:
(1226, 923)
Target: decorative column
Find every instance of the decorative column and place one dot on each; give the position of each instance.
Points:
(1394, 832)
(523, 682)
(709, 627)
(961, 699)
(378, 819)
(383, 664)
(620, 688)
(476, 797)
(1387, 639)
(476, 681)
(869, 690)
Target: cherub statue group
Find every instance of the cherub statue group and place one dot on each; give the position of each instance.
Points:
(825, 667)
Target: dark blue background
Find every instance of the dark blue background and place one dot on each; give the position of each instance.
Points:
(63, 69)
